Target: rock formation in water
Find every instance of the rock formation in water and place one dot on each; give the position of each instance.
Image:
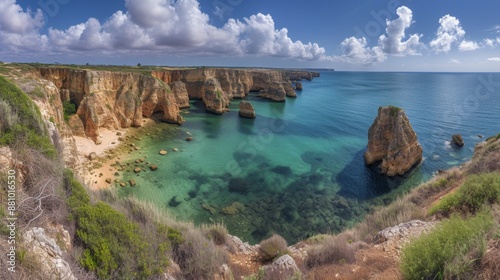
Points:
(247, 110)
(275, 92)
(391, 139)
(457, 140)
(298, 86)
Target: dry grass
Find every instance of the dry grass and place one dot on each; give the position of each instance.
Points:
(332, 250)
(271, 248)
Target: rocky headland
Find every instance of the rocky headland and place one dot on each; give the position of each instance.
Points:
(115, 99)
(391, 139)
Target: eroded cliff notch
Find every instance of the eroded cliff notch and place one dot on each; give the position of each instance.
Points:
(391, 139)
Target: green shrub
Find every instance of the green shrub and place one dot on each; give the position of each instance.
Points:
(442, 253)
(69, 110)
(271, 248)
(24, 121)
(113, 246)
(472, 194)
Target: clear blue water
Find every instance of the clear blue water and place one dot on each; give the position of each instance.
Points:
(298, 167)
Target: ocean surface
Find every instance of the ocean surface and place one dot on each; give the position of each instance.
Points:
(298, 169)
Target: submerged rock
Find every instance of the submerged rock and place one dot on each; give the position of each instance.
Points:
(391, 139)
(247, 110)
(457, 140)
(233, 209)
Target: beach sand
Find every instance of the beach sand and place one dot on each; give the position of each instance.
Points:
(113, 149)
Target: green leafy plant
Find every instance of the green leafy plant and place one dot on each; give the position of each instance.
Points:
(433, 255)
(471, 195)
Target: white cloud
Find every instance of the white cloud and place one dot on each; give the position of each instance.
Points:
(449, 32)
(489, 42)
(494, 59)
(456, 61)
(356, 51)
(13, 19)
(165, 26)
(468, 46)
(496, 29)
(19, 28)
(393, 43)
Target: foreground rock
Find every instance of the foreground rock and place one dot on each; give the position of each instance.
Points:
(283, 266)
(457, 140)
(391, 139)
(48, 254)
(247, 110)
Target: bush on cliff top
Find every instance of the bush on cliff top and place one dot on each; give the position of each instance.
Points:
(272, 248)
(471, 195)
(25, 124)
(113, 246)
(447, 252)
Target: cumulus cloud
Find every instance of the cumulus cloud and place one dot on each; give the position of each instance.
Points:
(449, 32)
(494, 59)
(468, 46)
(356, 51)
(165, 26)
(19, 28)
(392, 42)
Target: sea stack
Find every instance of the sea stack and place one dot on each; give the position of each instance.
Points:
(391, 139)
(247, 110)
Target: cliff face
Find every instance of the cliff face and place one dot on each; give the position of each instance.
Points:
(115, 100)
(235, 83)
(391, 139)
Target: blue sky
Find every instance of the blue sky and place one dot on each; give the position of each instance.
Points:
(390, 35)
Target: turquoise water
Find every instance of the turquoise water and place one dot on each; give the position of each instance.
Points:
(298, 167)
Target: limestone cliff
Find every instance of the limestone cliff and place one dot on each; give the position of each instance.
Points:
(391, 139)
(115, 100)
(235, 83)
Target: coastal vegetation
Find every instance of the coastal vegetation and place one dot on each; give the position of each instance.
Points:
(126, 238)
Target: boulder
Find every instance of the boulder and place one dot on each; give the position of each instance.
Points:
(457, 140)
(189, 139)
(153, 167)
(132, 183)
(137, 170)
(92, 156)
(247, 110)
(163, 152)
(283, 266)
(391, 139)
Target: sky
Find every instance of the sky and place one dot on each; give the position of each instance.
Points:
(355, 35)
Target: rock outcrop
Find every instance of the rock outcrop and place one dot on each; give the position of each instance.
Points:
(46, 251)
(114, 100)
(457, 140)
(391, 139)
(247, 110)
(275, 92)
(298, 86)
(283, 266)
(216, 100)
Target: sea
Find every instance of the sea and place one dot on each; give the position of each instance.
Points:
(297, 169)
